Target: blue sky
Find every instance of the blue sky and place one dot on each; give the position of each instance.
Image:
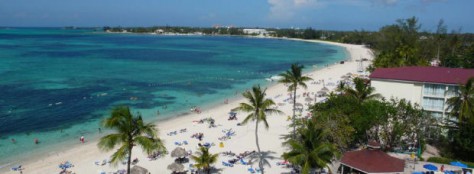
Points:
(319, 14)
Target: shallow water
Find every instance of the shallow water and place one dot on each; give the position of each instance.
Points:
(58, 84)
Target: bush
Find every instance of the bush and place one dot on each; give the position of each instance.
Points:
(442, 160)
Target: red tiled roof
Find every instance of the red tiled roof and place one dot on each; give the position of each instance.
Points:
(373, 161)
(425, 74)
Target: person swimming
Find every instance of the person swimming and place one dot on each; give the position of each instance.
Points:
(13, 140)
(36, 141)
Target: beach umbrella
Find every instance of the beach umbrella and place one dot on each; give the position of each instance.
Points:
(430, 167)
(178, 153)
(138, 170)
(299, 105)
(458, 164)
(322, 93)
(175, 167)
(325, 89)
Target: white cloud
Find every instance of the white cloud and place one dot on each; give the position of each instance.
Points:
(287, 9)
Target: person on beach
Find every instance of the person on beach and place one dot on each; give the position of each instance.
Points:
(82, 139)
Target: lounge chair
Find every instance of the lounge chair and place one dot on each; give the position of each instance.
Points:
(227, 164)
(243, 162)
(251, 170)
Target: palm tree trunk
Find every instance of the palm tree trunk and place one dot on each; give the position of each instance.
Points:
(129, 159)
(258, 148)
(294, 114)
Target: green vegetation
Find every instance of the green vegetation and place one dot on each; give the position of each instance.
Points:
(204, 159)
(461, 107)
(462, 104)
(259, 108)
(354, 116)
(395, 45)
(362, 91)
(356, 119)
(129, 131)
(309, 150)
(350, 119)
(179, 30)
(294, 78)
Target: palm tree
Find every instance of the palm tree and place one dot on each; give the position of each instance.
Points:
(258, 107)
(362, 91)
(310, 150)
(129, 131)
(341, 86)
(462, 104)
(294, 77)
(204, 159)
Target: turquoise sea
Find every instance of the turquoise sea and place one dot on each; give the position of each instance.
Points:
(56, 84)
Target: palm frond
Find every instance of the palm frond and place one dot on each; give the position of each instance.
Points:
(120, 154)
(108, 142)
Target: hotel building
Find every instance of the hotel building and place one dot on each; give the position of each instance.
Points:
(430, 87)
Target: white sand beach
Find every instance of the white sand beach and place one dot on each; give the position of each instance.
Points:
(83, 156)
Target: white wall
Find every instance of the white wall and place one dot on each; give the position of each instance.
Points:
(398, 89)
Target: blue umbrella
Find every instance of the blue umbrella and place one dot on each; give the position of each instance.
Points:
(459, 164)
(430, 167)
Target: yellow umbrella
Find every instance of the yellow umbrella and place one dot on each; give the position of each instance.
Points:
(221, 144)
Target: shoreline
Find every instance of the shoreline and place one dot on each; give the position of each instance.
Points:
(89, 151)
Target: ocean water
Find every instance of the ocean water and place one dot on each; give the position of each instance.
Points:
(56, 85)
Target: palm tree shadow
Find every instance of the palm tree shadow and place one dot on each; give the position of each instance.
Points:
(266, 156)
(216, 170)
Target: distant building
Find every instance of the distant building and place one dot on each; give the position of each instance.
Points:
(255, 31)
(159, 31)
(429, 87)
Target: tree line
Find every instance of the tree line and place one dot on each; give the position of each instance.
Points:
(400, 44)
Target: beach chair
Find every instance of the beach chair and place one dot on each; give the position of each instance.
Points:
(185, 142)
(243, 162)
(251, 170)
(177, 143)
(227, 164)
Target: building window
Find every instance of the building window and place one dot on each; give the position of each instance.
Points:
(434, 90)
(452, 90)
(436, 104)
